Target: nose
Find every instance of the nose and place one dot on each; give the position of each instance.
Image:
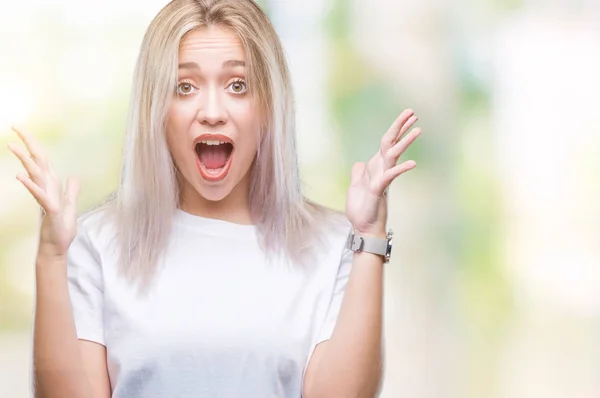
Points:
(211, 109)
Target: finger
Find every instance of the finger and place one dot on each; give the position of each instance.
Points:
(71, 192)
(409, 123)
(33, 146)
(389, 138)
(54, 186)
(391, 174)
(38, 193)
(392, 155)
(357, 171)
(32, 168)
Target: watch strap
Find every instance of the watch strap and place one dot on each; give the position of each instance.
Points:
(370, 244)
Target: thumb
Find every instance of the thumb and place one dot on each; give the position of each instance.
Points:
(71, 191)
(357, 171)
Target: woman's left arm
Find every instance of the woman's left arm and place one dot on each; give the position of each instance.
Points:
(349, 364)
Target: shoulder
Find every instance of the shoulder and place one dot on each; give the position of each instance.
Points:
(96, 229)
(330, 222)
(333, 229)
(336, 228)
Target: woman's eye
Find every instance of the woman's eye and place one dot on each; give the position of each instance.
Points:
(238, 87)
(185, 88)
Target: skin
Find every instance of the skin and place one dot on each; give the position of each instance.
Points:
(350, 363)
(63, 366)
(347, 365)
(213, 97)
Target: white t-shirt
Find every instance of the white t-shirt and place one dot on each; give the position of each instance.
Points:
(220, 322)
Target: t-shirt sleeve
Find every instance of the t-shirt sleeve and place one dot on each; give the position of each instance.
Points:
(333, 303)
(86, 287)
(339, 288)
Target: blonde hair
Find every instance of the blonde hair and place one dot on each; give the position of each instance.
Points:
(148, 193)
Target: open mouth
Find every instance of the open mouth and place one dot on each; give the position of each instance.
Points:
(213, 157)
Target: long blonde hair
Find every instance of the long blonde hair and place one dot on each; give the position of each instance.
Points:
(148, 193)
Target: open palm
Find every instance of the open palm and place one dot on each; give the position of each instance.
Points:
(366, 202)
(58, 204)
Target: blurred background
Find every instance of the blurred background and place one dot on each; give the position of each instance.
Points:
(494, 286)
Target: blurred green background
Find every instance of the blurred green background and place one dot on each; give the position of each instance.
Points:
(493, 290)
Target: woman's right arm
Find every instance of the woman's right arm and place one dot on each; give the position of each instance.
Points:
(63, 366)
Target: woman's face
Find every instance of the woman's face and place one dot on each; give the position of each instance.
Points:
(213, 124)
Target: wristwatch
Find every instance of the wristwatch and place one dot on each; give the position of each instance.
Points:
(371, 244)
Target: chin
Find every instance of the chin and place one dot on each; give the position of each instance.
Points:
(214, 193)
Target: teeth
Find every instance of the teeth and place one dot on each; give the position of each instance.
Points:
(212, 142)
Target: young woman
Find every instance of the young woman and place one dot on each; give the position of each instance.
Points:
(207, 273)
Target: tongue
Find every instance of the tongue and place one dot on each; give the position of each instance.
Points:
(213, 156)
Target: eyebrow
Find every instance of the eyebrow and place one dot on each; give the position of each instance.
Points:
(227, 64)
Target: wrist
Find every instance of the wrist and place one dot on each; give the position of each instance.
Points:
(379, 232)
(372, 241)
(46, 257)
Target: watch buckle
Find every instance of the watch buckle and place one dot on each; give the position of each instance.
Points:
(355, 243)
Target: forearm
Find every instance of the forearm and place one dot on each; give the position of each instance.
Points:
(351, 365)
(57, 363)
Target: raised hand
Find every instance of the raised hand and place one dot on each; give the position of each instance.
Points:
(58, 207)
(366, 201)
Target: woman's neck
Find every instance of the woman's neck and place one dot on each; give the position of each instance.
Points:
(234, 208)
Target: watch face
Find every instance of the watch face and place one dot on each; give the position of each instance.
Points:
(388, 251)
